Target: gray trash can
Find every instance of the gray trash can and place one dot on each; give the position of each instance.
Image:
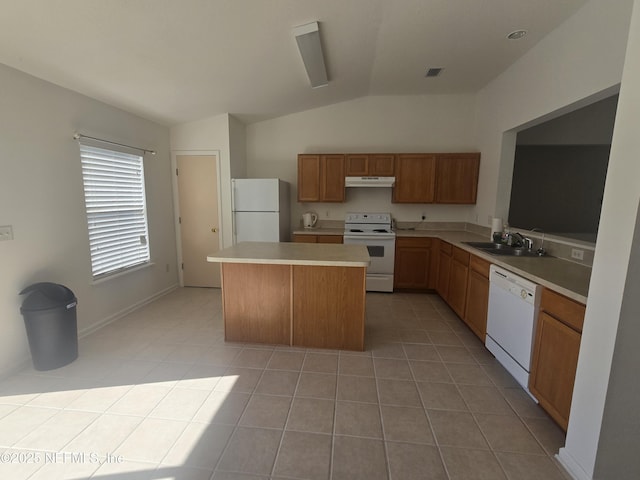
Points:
(49, 313)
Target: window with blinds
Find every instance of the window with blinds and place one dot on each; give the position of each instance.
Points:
(116, 209)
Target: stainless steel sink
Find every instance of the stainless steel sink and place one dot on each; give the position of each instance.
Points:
(502, 249)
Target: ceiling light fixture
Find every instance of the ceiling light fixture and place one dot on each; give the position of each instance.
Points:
(517, 34)
(308, 40)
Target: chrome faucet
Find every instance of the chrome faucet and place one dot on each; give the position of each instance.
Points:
(520, 240)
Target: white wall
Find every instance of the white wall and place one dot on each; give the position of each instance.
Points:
(215, 135)
(428, 123)
(568, 68)
(41, 196)
(607, 295)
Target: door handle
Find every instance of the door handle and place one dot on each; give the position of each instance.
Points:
(214, 230)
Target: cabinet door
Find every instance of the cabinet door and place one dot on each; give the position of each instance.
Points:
(457, 297)
(444, 271)
(457, 178)
(415, 178)
(330, 239)
(309, 178)
(553, 369)
(357, 165)
(412, 268)
(477, 304)
(381, 165)
(332, 178)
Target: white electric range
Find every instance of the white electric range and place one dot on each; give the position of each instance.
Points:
(374, 231)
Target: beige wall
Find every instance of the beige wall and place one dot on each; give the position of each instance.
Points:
(41, 196)
(433, 123)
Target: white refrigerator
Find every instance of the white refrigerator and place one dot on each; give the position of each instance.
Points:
(260, 210)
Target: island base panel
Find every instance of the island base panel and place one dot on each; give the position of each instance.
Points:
(329, 307)
(257, 303)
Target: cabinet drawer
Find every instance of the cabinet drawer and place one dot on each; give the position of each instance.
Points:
(413, 242)
(446, 248)
(479, 265)
(329, 239)
(562, 308)
(461, 256)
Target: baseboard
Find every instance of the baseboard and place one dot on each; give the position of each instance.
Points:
(571, 466)
(126, 311)
(25, 361)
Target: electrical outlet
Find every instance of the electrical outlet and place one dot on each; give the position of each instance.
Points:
(6, 232)
(577, 253)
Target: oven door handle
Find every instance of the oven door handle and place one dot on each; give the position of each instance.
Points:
(370, 237)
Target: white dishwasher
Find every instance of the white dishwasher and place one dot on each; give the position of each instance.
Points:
(513, 309)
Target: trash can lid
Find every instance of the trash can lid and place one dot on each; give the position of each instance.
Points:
(46, 295)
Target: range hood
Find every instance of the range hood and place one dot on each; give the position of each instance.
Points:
(369, 181)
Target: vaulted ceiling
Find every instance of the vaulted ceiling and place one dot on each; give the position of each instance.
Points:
(174, 61)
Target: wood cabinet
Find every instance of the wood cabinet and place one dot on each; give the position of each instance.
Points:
(321, 178)
(555, 354)
(375, 165)
(415, 178)
(412, 263)
(309, 238)
(477, 296)
(450, 178)
(247, 319)
(328, 307)
(457, 294)
(457, 178)
(444, 270)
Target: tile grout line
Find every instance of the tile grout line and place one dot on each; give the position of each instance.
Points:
(237, 423)
(384, 439)
(426, 412)
(286, 421)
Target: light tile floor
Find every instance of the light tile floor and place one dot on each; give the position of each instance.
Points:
(160, 395)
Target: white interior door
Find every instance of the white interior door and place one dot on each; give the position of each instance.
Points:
(199, 222)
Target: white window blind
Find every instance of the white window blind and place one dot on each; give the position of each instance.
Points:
(116, 209)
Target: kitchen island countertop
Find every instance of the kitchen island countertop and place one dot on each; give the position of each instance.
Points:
(330, 255)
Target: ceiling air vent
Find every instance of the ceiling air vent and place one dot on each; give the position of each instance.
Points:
(433, 72)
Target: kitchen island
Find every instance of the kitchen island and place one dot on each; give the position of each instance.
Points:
(307, 295)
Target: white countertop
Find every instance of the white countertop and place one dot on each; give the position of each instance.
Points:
(319, 254)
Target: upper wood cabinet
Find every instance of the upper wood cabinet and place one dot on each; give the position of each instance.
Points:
(321, 178)
(457, 177)
(375, 165)
(415, 178)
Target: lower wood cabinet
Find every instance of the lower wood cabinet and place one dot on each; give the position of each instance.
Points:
(444, 270)
(555, 354)
(457, 294)
(477, 297)
(304, 238)
(412, 263)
